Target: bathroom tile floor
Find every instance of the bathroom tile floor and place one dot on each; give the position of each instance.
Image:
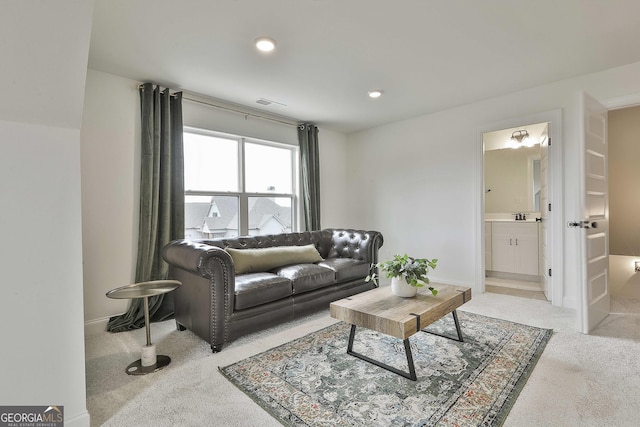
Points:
(522, 289)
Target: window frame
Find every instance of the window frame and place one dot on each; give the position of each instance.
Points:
(242, 194)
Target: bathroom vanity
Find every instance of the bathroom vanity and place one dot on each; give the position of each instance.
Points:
(512, 246)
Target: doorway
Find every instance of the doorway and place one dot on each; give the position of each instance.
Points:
(515, 210)
(533, 266)
(624, 177)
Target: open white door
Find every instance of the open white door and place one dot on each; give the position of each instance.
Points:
(595, 208)
(545, 247)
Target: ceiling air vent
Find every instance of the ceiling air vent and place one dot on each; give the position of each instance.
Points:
(264, 101)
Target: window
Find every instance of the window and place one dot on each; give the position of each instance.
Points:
(238, 186)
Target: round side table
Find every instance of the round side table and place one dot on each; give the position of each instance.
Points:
(145, 290)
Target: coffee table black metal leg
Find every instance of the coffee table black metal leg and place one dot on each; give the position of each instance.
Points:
(412, 368)
(458, 330)
(407, 348)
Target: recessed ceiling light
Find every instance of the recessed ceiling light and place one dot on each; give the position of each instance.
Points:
(265, 44)
(375, 93)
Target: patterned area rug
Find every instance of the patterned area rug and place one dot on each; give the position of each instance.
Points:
(312, 381)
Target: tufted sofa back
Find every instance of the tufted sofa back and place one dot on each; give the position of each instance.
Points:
(330, 242)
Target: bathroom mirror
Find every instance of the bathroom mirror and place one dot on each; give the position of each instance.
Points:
(511, 176)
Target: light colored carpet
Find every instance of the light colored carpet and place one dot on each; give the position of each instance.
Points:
(580, 380)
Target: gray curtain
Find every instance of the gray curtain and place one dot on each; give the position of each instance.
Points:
(161, 200)
(310, 165)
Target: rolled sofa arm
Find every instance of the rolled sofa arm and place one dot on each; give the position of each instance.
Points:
(195, 257)
(203, 302)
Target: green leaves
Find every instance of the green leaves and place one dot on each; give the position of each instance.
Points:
(414, 270)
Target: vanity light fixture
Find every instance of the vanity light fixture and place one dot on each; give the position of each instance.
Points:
(520, 136)
(376, 93)
(265, 44)
(637, 266)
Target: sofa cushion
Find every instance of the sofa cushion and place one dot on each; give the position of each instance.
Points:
(306, 277)
(260, 288)
(347, 268)
(265, 259)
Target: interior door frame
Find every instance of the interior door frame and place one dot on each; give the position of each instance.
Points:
(554, 118)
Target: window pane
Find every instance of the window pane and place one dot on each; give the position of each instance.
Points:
(268, 169)
(269, 215)
(208, 217)
(210, 163)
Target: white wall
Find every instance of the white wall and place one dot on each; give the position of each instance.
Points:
(424, 194)
(44, 60)
(413, 181)
(110, 187)
(334, 164)
(110, 176)
(204, 116)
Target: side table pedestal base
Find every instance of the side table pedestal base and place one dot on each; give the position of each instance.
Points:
(136, 367)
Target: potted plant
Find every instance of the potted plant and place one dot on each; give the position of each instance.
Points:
(407, 274)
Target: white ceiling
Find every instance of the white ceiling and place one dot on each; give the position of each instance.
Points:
(427, 55)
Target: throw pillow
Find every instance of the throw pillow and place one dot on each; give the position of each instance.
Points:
(258, 260)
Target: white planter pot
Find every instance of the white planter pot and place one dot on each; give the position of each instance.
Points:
(401, 288)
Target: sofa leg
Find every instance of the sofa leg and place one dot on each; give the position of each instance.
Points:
(216, 348)
(180, 327)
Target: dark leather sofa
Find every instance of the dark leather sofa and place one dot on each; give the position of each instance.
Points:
(219, 306)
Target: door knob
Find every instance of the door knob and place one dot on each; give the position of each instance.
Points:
(582, 224)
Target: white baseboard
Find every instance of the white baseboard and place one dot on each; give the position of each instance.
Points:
(81, 420)
(93, 327)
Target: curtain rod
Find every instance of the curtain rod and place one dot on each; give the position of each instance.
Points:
(233, 110)
(244, 113)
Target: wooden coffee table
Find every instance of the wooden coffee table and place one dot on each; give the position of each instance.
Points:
(381, 311)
